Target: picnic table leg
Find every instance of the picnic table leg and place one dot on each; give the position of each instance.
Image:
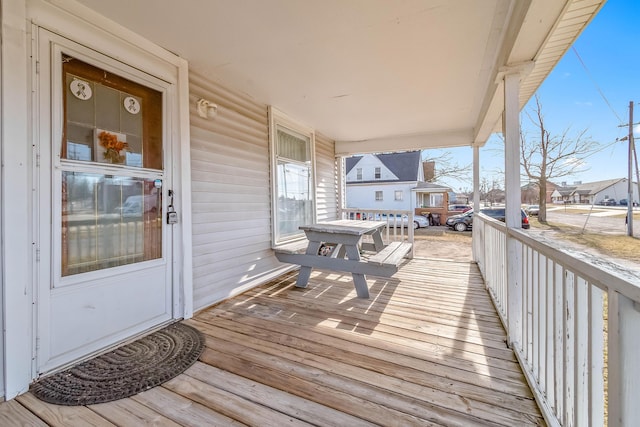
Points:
(305, 272)
(359, 280)
(303, 277)
(377, 240)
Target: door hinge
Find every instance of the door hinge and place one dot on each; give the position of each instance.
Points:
(37, 67)
(37, 255)
(37, 160)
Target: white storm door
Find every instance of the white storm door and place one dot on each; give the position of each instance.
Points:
(104, 270)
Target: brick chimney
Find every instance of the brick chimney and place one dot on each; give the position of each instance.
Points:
(429, 169)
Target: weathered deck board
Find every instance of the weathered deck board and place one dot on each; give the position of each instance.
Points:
(12, 413)
(426, 349)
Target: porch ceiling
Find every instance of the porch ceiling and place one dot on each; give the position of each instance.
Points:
(375, 75)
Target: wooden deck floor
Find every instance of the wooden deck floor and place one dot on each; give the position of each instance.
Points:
(426, 349)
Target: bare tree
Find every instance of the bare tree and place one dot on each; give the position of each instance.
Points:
(546, 157)
(447, 168)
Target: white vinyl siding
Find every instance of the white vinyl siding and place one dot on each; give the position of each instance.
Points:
(326, 179)
(230, 194)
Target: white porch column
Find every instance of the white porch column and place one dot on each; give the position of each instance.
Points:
(476, 196)
(511, 129)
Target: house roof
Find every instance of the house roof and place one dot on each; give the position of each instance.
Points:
(375, 75)
(565, 191)
(404, 165)
(596, 186)
(430, 187)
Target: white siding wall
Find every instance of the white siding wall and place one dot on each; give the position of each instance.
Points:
(364, 195)
(326, 182)
(619, 190)
(368, 164)
(231, 193)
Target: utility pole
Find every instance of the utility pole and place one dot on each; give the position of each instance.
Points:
(630, 182)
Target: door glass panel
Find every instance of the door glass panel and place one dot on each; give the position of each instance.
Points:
(109, 221)
(110, 119)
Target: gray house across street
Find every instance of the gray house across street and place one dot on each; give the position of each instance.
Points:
(594, 192)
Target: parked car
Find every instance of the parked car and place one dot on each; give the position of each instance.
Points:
(461, 222)
(459, 208)
(607, 202)
(498, 213)
(419, 221)
(623, 202)
(533, 210)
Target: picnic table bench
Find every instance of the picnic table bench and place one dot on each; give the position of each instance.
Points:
(344, 237)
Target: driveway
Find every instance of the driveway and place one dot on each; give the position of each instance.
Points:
(441, 243)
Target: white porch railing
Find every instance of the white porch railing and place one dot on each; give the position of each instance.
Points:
(399, 222)
(578, 335)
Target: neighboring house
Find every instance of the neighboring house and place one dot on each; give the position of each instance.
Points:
(595, 192)
(382, 181)
(562, 194)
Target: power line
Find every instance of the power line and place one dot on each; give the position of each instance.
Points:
(596, 84)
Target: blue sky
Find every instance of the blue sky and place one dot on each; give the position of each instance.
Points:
(571, 95)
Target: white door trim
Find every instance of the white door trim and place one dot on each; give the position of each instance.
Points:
(15, 205)
(76, 22)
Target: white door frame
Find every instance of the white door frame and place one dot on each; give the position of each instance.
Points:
(75, 22)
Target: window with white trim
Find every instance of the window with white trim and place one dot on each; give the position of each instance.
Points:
(292, 177)
(398, 195)
(377, 173)
(359, 174)
(378, 196)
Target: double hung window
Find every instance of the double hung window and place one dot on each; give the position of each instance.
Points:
(292, 178)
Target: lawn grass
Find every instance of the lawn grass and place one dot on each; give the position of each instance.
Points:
(617, 246)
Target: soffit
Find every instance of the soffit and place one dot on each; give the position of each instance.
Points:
(376, 75)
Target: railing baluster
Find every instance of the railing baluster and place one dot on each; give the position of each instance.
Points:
(565, 350)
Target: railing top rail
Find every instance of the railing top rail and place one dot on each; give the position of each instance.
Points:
(605, 275)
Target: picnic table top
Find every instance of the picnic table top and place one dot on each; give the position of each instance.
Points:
(344, 226)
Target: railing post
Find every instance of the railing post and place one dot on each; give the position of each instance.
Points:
(624, 370)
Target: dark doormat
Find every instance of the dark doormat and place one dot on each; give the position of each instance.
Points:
(125, 371)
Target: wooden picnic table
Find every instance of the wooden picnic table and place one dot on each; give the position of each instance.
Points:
(344, 237)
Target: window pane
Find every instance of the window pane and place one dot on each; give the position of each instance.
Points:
(293, 146)
(436, 200)
(98, 102)
(379, 196)
(294, 202)
(108, 221)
